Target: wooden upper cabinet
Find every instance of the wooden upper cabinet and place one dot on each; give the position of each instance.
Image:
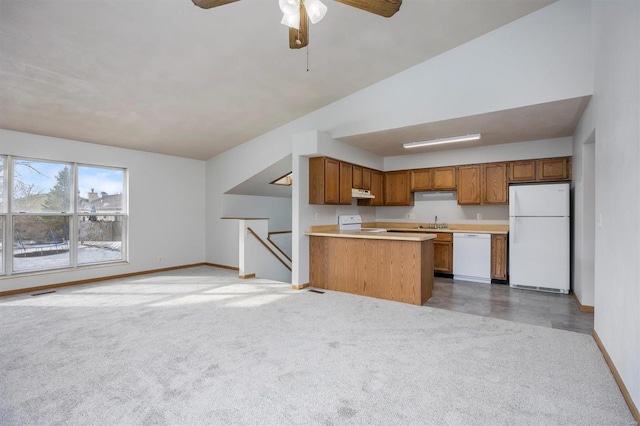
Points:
(494, 187)
(469, 184)
(436, 179)
(421, 179)
(397, 190)
(522, 171)
(328, 181)
(377, 188)
(444, 178)
(554, 168)
(376, 185)
(346, 182)
(543, 169)
(366, 178)
(357, 177)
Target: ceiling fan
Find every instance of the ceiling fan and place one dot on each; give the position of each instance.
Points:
(298, 13)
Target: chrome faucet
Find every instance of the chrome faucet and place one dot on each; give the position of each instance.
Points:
(436, 222)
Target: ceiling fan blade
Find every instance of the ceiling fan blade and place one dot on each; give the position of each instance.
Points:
(300, 38)
(208, 4)
(386, 8)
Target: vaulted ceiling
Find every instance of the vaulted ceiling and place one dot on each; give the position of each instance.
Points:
(166, 76)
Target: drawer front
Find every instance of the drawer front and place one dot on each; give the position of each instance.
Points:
(442, 236)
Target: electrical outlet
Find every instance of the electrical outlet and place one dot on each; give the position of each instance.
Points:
(317, 216)
(411, 215)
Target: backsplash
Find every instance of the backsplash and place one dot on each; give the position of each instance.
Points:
(448, 211)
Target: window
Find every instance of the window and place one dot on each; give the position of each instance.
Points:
(3, 211)
(100, 214)
(60, 215)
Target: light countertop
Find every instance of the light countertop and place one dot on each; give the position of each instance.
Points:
(476, 228)
(447, 230)
(397, 236)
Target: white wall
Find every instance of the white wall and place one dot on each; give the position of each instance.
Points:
(616, 35)
(506, 68)
(542, 57)
(558, 147)
(305, 215)
(166, 205)
(583, 212)
(276, 209)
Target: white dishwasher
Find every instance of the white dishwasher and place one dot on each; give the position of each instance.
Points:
(472, 257)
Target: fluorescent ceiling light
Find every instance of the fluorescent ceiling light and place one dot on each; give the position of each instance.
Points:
(454, 139)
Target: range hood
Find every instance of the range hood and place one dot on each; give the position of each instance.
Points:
(361, 193)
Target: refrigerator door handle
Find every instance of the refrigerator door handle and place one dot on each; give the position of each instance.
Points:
(515, 227)
(515, 203)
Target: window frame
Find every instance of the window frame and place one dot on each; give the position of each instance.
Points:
(75, 214)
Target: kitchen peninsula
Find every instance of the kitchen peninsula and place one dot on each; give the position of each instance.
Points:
(392, 266)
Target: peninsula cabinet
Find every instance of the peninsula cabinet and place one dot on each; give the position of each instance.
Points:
(493, 186)
(469, 184)
(499, 257)
(397, 191)
(435, 179)
(329, 181)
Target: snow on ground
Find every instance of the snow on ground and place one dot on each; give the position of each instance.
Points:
(86, 255)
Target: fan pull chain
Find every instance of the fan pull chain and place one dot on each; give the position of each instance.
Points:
(308, 36)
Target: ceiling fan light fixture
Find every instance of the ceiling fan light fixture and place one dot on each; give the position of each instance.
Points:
(316, 10)
(291, 21)
(289, 7)
(454, 139)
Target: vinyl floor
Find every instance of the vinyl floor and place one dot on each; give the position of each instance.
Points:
(500, 301)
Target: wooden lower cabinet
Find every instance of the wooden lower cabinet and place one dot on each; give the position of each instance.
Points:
(499, 257)
(443, 253)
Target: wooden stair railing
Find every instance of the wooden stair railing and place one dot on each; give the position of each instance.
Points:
(277, 246)
(252, 232)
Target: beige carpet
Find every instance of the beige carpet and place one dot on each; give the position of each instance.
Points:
(198, 346)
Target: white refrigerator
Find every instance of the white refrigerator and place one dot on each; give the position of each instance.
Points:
(539, 237)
